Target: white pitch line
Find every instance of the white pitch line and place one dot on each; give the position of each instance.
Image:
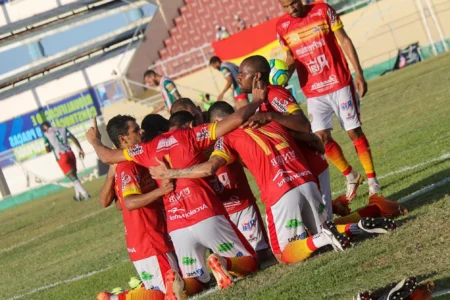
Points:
(442, 292)
(425, 190)
(444, 156)
(51, 231)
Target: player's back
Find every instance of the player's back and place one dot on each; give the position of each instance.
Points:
(230, 69)
(271, 156)
(145, 228)
(57, 138)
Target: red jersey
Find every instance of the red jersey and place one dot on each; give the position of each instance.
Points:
(145, 228)
(280, 100)
(193, 200)
(321, 65)
(237, 194)
(271, 156)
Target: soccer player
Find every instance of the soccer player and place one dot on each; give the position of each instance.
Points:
(235, 193)
(148, 243)
(309, 34)
(168, 88)
(56, 140)
(292, 198)
(230, 71)
(196, 220)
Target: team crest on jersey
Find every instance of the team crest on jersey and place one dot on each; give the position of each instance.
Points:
(286, 24)
(280, 105)
(135, 150)
(203, 134)
(219, 145)
(332, 15)
(166, 144)
(125, 180)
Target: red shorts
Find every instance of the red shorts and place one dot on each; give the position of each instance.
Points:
(241, 97)
(67, 162)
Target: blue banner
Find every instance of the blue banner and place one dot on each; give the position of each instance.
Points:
(25, 129)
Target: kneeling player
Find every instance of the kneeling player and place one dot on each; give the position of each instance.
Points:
(148, 243)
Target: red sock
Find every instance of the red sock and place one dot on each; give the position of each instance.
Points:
(241, 266)
(365, 155)
(334, 153)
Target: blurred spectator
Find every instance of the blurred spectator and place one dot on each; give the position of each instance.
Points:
(207, 102)
(240, 24)
(221, 33)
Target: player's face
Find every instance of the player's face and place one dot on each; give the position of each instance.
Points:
(245, 78)
(151, 80)
(216, 66)
(292, 7)
(134, 135)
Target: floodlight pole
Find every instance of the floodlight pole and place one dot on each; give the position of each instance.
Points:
(4, 189)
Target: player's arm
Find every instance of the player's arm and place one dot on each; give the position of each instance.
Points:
(106, 155)
(198, 171)
(290, 62)
(107, 192)
(296, 120)
(309, 138)
(76, 142)
(136, 201)
(48, 149)
(159, 107)
(228, 84)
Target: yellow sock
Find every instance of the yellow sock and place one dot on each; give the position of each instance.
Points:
(298, 250)
(143, 294)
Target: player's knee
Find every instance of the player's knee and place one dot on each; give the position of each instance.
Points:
(355, 133)
(325, 136)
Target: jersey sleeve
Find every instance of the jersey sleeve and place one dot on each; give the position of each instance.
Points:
(46, 142)
(130, 179)
(68, 133)
(284, 45)
(140, 154)
(282, 101)
(203, 136)
(333, 19)
(225, 72)
(170, 87)
(222, 148)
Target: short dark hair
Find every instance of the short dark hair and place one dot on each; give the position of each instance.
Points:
(153, 125)
(214, 60)
(45, 123)
(149, 72)
(180, 119)
(181, 104)
(220, 109)
(259, 64)
(118, 126)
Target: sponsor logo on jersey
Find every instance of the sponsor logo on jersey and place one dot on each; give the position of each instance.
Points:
(301, 236)
(135, 150)
(232, 203)
(286, 24)
(249, 225)
(219, 145)
(198, 272)
(332, 15)
(175, 210)
(131, 250)
(318, 13)
(239, 254)
(326, 84)
(189, 214)
(317, 65)
(283, 158)
(180, 195)
(125, 180)
(166, 144)
(310, 48)
(346, 105)
(225, 247)
(280, 105)
(203, 134)
(146, 275)
(188, 260)
(224, 179)
(290, 177)
(281, 173)
(293, 223)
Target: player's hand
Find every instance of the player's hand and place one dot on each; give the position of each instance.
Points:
(161, 171)
(259, 91)
(167, 186)
(317, 144)
(220, 97)
(258, 120)
(81, 154)
(361, 85)
(93, 135)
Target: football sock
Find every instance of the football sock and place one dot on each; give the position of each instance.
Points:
(143, 294)
(80, 189)
(354, 217)
(192, 286)
(241, 266)
(334, 153)
(302, 249)
(365, 155)
(349, 229)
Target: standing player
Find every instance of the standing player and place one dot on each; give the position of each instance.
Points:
(56, 139)
(168, 88)
(196, 220)
(146, 235)
(310, 34)
(236, 194)
(230, 71)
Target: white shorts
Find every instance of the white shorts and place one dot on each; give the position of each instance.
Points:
(152, 270)
(325, 190)
(249, 223)
(298, 209)
(216, 233)
(344, 103)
